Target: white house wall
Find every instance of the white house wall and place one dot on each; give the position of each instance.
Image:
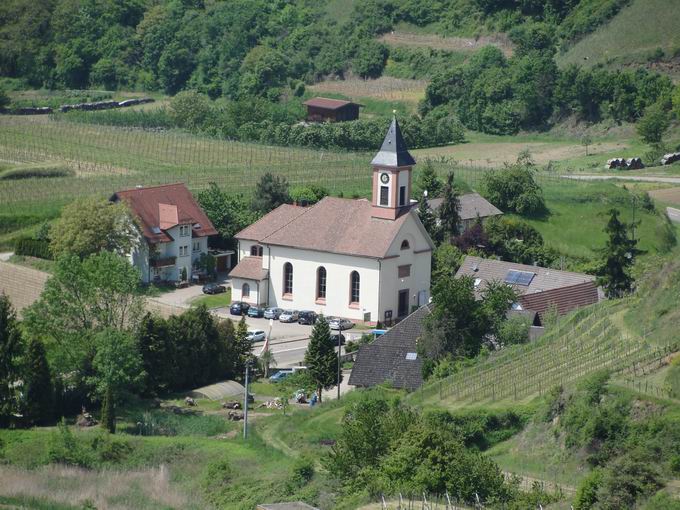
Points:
(338, 268)
(258, 294)
(419, 257)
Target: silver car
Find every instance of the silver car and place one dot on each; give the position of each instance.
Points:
(273, 313)
(289, 316)
(256, 335)
(339, 324)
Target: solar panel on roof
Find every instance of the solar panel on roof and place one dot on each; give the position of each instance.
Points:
(411, 356)
(515, 277)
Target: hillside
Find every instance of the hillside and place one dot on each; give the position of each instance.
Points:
(641, 34)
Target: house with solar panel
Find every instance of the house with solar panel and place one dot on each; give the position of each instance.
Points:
(174, 232)
(540, 289)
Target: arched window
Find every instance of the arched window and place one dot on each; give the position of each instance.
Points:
(245, 290)
(288, 278)
(256, 250)
(354, 286)
(405, 245)
(321, 283)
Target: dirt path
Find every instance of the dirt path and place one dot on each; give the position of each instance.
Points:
(636, 178)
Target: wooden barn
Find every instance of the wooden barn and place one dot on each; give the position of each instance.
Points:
(322, 109)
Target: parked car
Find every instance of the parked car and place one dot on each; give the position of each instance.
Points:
(340, 324)
(307, 317)
(289, 316)
(214, 288)
(273, 313)
(256, 335)
(280, 375)
(255, 311)
(239, 308)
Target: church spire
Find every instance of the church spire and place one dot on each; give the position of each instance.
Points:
(393, 152)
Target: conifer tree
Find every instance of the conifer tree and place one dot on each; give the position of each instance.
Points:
(38, 390)
(321, 359)
(449, 211)
(429, 221)
(618, 256)
(243, 347)
(10, 350)
(428, 181)
(108, 418)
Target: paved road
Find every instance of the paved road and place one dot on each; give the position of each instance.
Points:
(639, 178)
(673, 214)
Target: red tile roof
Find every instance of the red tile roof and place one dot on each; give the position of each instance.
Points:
(336, 225)
(327, 103)
(249, 268)
(162, 207)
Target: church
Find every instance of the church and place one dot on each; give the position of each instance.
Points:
(364, 260)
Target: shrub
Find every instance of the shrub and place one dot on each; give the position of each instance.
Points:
(33, 248)
(64, 448)
(35, 173)
(514, 189)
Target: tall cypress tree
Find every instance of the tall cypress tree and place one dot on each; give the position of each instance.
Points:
(449, 211)
(429, 220)
(108, 418)
(428, 181)
(618, 256)
(10, 350)
(321, 359)
(38, 389)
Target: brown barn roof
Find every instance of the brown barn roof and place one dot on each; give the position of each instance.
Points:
(249, 268)
(335, 225)
(564, 289)
(471, 206)
(159, 208)
(327, 103)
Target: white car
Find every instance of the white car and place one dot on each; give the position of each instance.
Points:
(256, 335)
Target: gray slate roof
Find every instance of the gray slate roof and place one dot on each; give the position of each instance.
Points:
(384, 359)
(393, 152)
(471, 206)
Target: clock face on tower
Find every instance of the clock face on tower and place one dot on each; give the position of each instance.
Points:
(385, 178)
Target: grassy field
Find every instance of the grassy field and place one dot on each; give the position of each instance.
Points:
(379, 96)
(405, 35)
(214, 301)
(630, 36)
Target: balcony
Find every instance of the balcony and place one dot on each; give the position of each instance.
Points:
(162, 262)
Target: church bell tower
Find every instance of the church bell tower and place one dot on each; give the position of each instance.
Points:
(392, 169)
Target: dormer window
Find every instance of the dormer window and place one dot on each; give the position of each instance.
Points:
(184, 230)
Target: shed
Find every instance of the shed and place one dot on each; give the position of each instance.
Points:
(322, 109)
(219, 391)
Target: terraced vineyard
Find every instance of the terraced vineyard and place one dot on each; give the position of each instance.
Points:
(588, 340)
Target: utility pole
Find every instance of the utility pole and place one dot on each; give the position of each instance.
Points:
(245, 404)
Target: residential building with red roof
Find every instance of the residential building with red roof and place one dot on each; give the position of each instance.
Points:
(365, 260)
(174, 231)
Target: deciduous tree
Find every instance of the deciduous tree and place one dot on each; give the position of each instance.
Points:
(91, 225)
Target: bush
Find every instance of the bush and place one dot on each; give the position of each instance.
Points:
(513, 331)
(35, 173)
(514, 189)
(64, 448)
(33, 248)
